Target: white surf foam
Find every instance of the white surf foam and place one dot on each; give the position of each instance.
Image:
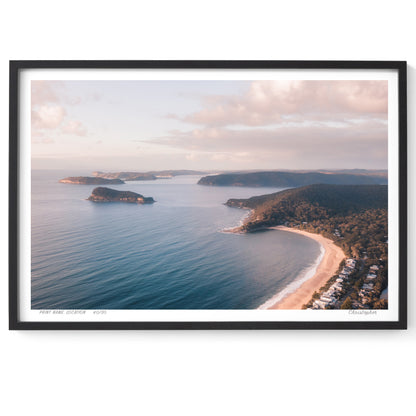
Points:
(242, 221)
(291, 287)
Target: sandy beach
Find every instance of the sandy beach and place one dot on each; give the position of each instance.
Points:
(326, 269)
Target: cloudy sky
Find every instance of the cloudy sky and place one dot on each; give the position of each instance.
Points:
(146, 125)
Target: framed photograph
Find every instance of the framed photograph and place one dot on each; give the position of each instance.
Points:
(208, 195)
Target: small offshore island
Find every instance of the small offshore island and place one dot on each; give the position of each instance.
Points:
(102, 194)
(88, 180)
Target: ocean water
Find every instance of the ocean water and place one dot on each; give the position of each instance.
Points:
(168, 255)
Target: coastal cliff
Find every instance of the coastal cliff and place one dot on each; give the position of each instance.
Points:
(102, 194)
(88, 180)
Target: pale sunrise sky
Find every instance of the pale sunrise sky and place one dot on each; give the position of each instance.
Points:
(155, 125)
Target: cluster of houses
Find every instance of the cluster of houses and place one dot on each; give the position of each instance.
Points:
(331, 296)
(368, 286)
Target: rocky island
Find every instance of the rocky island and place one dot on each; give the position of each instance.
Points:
(102, 194)
(88, 180)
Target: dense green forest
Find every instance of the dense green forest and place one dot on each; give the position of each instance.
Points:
(358, 212)
(292, 179)
(353, 216)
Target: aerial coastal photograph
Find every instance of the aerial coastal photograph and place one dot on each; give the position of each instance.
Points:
(209, 195)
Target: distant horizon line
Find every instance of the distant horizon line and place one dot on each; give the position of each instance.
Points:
(220, 170)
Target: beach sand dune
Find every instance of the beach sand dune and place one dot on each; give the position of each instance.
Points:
(325, 270)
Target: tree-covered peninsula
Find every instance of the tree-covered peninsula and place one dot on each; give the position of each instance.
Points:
(353, 216)
(358, 212)
(292, 179)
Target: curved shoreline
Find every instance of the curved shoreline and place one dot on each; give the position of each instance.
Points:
(327, 267)
(237, 230)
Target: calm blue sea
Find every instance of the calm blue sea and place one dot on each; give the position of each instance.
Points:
(169, 255)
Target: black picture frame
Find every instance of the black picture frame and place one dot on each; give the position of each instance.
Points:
(14, 169)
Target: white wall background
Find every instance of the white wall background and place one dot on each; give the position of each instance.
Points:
(207, 373)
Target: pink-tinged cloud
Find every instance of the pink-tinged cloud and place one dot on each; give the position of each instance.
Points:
(55, 92)
(49, 114)
(272, 102)
(47, 117)
(44, 92)
(370, 133)
(74, 127)
(324, 145)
